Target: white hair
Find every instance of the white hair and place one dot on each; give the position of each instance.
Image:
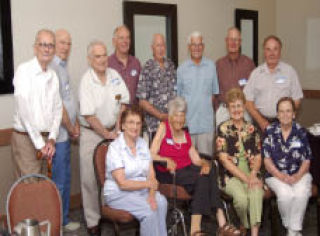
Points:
(178, 104)
(194, 34)
(92, 44)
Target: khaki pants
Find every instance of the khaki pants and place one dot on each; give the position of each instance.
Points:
(90, 194)
(245, 201)
(24, 156)
(203, 142)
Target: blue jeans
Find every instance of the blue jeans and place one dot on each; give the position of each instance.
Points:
(61, 175)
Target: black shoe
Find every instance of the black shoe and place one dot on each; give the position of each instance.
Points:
(94, 231)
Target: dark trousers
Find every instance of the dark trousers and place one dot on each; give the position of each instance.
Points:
(203, 188)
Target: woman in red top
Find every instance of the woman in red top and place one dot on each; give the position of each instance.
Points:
(172, 144)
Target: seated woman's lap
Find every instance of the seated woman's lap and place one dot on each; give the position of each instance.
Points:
(136, 203)
(203, 188)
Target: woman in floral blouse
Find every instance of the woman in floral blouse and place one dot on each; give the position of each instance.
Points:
(287, 155)
(238, 147)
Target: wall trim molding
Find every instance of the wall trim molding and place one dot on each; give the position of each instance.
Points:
(312, 94)
(5, 137)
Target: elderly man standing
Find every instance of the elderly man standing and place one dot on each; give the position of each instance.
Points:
(126, 65)
(102, 94)
(198, 84)
(69, 128)
(269, 82)
(38, 108)
(233, 71)
(156, 85)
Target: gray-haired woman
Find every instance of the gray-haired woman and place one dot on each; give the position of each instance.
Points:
(173, 145)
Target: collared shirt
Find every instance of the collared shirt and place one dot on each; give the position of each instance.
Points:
(38, 106)
(157, 86)
(233, 73)
(197, 84)
(287, 155)
(120, 156)
(238, 143)
(130, 73)
(102, 100)
(69, 102)
(265, 88)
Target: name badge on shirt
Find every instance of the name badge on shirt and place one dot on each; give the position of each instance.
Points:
(243, 81)
(169, 141)
(281, 79)
(134, 72)
(296, 144)
(115, 81)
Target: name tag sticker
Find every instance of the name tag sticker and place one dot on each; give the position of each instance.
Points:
(243, 81)
(169, 141)
(296, 144)
(115, 81)
(281, 79)
(134, 72)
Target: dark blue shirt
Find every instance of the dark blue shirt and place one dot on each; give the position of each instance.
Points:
(287, 155)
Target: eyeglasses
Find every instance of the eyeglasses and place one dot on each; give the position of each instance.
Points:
(46, 45)
(194, 45)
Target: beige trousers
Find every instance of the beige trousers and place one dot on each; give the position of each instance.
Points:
(90, 195)
(24, 156)
(203, 142)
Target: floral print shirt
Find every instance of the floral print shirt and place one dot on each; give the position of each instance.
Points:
(287, 155)
(157, 86)
(236, 143)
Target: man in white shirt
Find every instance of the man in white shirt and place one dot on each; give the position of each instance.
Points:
(102, 96)
(38, 108)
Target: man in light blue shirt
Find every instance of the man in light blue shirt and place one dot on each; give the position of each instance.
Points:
(69, 128)
(197, 82)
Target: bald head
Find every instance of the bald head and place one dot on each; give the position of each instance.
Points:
(158, 47)
(63, 44)
(233, 41)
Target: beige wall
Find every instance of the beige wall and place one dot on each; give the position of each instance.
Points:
(292, 25)
(87, 20)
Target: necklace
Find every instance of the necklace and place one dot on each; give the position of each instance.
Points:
(177, 145)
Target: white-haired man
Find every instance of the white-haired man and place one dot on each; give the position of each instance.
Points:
(156, 85)
(198, 83)
(102, 94)
(38, 108)
(69, 128)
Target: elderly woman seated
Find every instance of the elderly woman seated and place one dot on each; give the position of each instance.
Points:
(130, 181)
(287, 155)
(238, 148)
(172, 144)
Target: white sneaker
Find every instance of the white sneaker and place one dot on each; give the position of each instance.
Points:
(71, 226)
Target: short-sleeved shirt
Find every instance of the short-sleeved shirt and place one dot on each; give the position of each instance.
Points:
(66, 93)
(265, 88)
(287, 155)
(157, 86)
(233, 73)
(129, 73)
(230, 140)
(120, 156)
(102, 100)
(197, 84)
